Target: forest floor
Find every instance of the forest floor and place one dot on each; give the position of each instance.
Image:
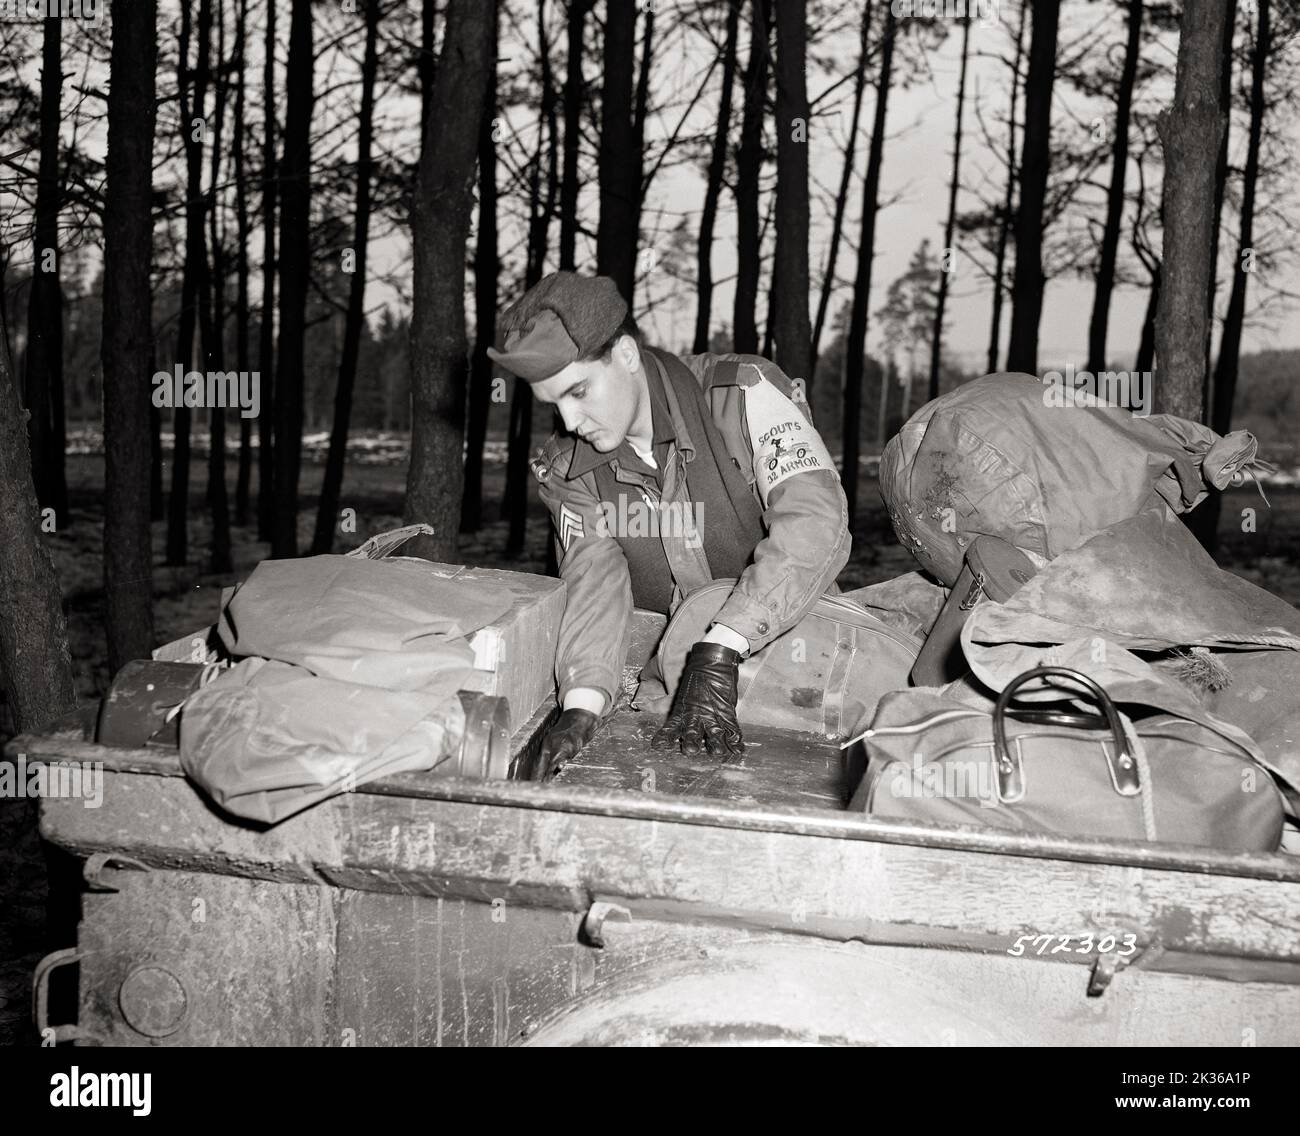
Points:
(188, 598)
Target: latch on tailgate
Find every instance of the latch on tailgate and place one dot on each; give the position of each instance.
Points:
(593, 924)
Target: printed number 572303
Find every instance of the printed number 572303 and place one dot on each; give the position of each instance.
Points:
(1122, 945)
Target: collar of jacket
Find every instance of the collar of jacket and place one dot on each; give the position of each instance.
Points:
(666, 416)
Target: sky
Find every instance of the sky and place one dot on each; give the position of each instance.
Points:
(915, 177)
(915, 181)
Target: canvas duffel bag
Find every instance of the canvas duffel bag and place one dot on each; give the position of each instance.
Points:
(1051, 768)
(824, 675)
(1043, 467)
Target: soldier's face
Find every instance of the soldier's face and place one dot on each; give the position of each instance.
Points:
(598, 399)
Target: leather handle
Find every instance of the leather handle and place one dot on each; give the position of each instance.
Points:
(1010, 775)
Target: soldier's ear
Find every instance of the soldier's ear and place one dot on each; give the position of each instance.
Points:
(629, 354)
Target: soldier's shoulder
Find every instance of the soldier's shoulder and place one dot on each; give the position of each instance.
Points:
(741, 370)
(754, 369)
(551, 461)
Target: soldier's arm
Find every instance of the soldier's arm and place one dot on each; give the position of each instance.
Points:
(806, 547)
(594, 631)
(805, 511)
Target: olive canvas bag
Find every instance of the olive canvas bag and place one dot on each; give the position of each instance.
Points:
(1140, 774)
(824, 675)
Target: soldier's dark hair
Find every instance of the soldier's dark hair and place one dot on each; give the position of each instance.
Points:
(606, 349)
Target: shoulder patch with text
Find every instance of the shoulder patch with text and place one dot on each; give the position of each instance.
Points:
(784, 441)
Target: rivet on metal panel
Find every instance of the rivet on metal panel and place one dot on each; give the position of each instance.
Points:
(101, 860)
(594, 923)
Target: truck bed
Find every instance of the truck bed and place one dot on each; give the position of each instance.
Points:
(778, 767)
(647, 898)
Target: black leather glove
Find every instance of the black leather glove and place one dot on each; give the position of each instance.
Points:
(704, 709)
(572, 731)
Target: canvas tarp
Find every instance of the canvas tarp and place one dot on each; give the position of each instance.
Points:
(349, 670)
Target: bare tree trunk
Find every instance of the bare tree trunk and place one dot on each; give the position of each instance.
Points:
(640, 110)
(443, 204)
(43, 385)
(749, 165)
(1035, 162)
(218, 501)
(6, 348)
(857, 339)
(620, 158)
(791, 327)
(713, 188)
(194, 132)
(773, 291)
(1220, 185)
(888, 381)
(641, 103)
(1004, 225)
(35, 664)
(1146, 356)
(295, 270)
(514, 506)
(1225, 373)
(573, 93)
(948, 255)
(846, 174)
(266, 332)
(1190, 132)
(428, 64)
(244, 477)
(126, 345)
(1115, 198)
(549, 118)
(157, 500)
(1203, 522)
(332, 484)
(486, 269)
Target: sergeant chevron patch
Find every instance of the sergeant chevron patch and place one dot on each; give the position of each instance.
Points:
(570, 526)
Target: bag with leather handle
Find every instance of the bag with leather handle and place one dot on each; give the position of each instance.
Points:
(824, 675)
(1049, 767)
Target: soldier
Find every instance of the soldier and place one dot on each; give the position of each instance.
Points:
(671, 472)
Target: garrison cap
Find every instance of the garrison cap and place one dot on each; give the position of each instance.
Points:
(559, 319)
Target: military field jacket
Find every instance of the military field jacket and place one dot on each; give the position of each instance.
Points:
(769, 436)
